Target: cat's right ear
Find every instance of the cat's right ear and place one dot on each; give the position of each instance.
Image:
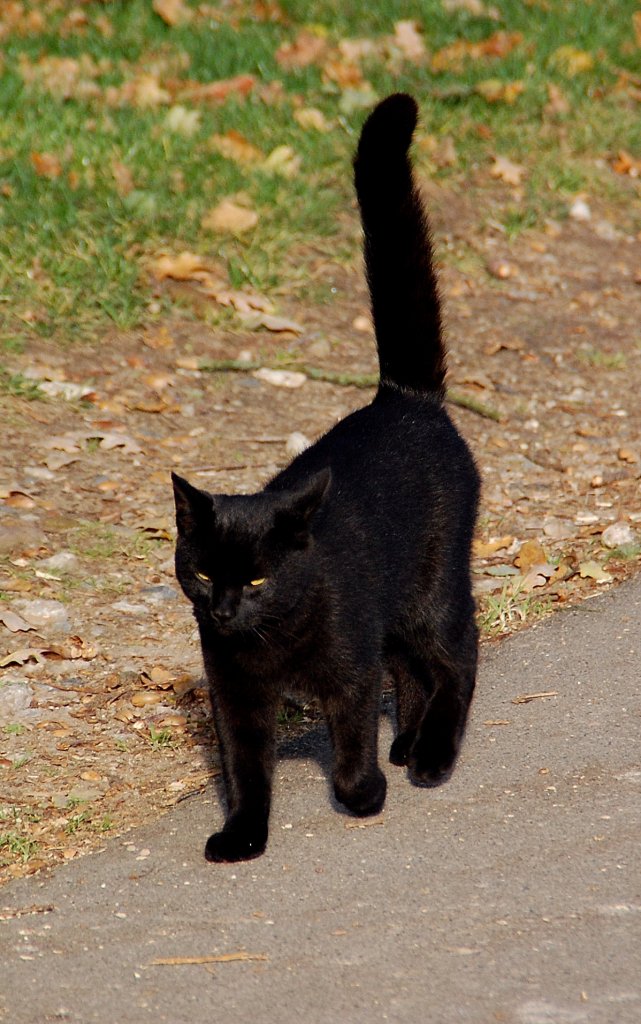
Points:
(193, 507)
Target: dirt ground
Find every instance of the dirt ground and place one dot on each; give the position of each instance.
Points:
(103, 714)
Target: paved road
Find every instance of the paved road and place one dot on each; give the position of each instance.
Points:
(512, 895)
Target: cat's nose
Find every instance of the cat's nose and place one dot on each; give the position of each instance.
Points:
(222, 615)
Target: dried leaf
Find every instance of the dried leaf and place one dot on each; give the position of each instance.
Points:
(123, 177)
(311, 117)
(234, 146)
(507, 171)
(46, 165)
(183, 121)
(307, 48)
(282, 160)
(22, 656)
(592, 570)
(570, 61)
(454, 56)
(531, 553)
(272, 323)
(408, 39)
(483, 549)
(229, 217)
(493, 90)
(173, 12)
(14, 622)
(186, 266)
(218, 92)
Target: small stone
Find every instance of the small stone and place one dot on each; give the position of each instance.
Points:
(15, 703)
(17, 536)
(320, 348)
(160, 593)
(618, 535)
(63, 561)
(48, 615)
(580, 210)
(129, 608)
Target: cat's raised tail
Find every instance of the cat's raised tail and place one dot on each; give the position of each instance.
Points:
(398, 251)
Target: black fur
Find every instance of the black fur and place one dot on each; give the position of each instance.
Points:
(363, 543)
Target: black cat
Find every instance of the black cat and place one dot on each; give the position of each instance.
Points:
(353, 562)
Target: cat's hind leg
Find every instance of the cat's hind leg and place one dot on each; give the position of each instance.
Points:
(352, 719)
(452, 675)
(413, 688)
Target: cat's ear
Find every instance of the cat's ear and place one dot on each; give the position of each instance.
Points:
(193, 507)
(294, 518)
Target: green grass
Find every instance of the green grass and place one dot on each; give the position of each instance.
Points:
(73, 247)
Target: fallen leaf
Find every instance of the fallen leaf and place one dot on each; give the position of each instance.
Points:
(558, 102)
(311, 117)
(272, 323)
(307, 48)
(14, 622)
(172, 12)
(483, 549)
(229, 217)
(507, 171)
(282, 160)
(218, 92)
(18, 499)
(186, 266)
(454, 56)
(636, 25)
(46, 165)
(123, 177)
(144, 698)
(22, 656)
(183, 121)
(592, 570)
(234, 146)
(624, 163)
(494, 90)
(570, 61)
(628, 455)
(530, 553)
(408, 39)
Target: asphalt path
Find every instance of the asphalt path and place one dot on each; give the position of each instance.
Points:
(510, 895)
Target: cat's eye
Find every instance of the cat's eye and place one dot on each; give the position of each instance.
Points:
(258, 583)
(201, 576)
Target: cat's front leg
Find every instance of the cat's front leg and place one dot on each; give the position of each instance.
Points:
(246, 729)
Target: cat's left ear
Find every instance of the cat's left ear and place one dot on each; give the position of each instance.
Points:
(301, 505)
(193, 507)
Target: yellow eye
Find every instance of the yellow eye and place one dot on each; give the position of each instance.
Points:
(257, 583)
(201, 576)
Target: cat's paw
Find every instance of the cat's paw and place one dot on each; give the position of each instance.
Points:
(364, 797)
(230, 846)
(431, 765)
(399, 751)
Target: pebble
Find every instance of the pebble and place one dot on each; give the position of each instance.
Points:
(160, 593)
(49, 615)
(63, 560)
(19, 536)
(129, 608)
(580, 210)
(617, 535)
(15, 703)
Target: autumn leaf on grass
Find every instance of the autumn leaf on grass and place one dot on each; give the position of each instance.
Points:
(183, 121)
(173, 12)
(219, 91)
(624, 163)
(234, 146)
(46, 165)
(636, 25)
(507, 171)
(493, 90)
(143, 91)
(282, 160)
(228, 217)
(311, 117)
(307, 48)
(408, 39)
(186, 266)
(454, 56)
(558, 102)
(123, 177)
(570, 61)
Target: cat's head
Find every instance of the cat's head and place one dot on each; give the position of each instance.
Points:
(245, 561)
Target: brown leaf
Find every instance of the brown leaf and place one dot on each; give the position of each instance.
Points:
(483, 549)
(493, 90)
(408, 39)
(507, 171)
(173, 12)
(229, 217)
(234, 146)
(13, 621)
(311, 117)
(22, 656)
(123, 177)
(454, 56)
(531, 553)
(558, 102)
(624, 163)
(571, 61)
(307, 48)
(186, 266)
(218, 92)
(46, 165)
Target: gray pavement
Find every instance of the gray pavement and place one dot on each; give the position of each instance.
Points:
(511, 895)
